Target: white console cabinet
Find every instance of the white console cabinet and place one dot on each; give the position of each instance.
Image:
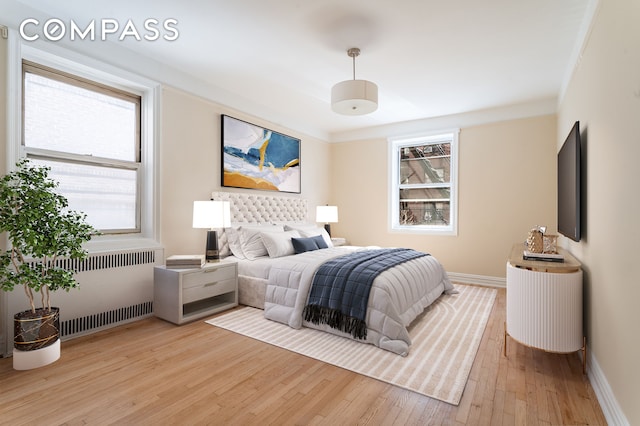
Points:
(182, 295)
(544, 303)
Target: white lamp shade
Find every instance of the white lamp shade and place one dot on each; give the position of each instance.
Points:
(327, 214)
(354, 97)
(211, 214)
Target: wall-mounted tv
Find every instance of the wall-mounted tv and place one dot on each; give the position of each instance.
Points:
(569, 185)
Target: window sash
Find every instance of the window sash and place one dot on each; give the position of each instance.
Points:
(434, 212)
(108, 195)
(113, 218)
(88, 85)
(64, 77)
(425, 163)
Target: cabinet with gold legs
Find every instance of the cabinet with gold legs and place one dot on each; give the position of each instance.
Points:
(544, 304)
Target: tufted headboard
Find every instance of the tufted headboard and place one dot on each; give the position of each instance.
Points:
(252, 208)
(258, 208)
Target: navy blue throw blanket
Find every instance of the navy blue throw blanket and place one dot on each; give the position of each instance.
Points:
(340, 289)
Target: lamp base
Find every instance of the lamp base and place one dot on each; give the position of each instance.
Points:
(327, 227)
(212, 253)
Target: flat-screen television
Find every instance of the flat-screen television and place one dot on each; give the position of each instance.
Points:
(569, 185)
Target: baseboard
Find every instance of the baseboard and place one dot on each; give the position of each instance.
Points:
(610, 408)
(478, 279)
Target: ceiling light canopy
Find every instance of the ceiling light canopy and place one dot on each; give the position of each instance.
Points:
(354, 97)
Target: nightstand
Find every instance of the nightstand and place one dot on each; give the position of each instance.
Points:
(338, 241)
(181, 295)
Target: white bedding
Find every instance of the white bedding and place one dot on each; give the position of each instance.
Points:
(397, 297)
(258, 268)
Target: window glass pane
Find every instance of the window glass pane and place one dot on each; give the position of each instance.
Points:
(67, 118)
(107, 195)
(425, 164)
(421, 212)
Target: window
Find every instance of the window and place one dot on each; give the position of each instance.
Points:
(423, 183)
(89, 134)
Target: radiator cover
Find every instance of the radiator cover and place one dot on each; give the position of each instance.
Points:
(115, 288)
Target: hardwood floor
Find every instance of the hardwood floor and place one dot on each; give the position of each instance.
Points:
(152, 373)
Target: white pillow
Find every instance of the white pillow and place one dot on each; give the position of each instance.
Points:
(251, 242)
(233, 236)
(310, 230)
(279, 244)
(299, 225)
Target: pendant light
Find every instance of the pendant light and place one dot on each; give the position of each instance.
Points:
(354, 97)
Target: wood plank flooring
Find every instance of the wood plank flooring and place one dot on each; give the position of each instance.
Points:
(155, 373)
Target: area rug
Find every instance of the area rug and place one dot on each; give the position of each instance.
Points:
(445, 340)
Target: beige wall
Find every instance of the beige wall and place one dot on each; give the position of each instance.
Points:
(604, 95)
(190, 166)
(506, 186)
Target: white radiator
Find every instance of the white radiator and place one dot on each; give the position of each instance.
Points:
(544, 310)
(115, 288)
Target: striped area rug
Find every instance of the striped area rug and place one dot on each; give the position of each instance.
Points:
(445, 339)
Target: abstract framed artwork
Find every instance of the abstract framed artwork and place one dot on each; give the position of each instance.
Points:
(258, 158)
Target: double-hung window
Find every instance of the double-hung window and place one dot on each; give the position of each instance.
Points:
(423, 186)
(89, 134)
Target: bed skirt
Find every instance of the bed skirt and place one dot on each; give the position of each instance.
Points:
(251, 291)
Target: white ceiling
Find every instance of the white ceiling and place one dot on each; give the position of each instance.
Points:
(278, 59)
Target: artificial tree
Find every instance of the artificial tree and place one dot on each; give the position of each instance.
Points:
(40, 230)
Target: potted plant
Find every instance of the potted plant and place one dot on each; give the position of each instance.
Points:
(41, 231)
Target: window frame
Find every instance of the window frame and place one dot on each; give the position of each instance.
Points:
(82, 66)
(395, 144)
(81, 159)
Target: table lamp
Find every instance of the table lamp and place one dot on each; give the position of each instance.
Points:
(327, 214)
(211, 214)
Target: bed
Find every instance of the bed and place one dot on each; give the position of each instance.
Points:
(273, 277)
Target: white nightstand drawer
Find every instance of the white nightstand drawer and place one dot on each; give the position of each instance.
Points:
(208, 290)
(206, 276)
(181, 295)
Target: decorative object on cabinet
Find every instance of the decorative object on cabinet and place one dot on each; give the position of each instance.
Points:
(540, 246)
(327, 214)
(211, 214)
(258, 158)
(535, 241)
(550, 244)
(181, 295)
(544, 304)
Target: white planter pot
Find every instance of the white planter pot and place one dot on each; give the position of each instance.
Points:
(27, 360)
